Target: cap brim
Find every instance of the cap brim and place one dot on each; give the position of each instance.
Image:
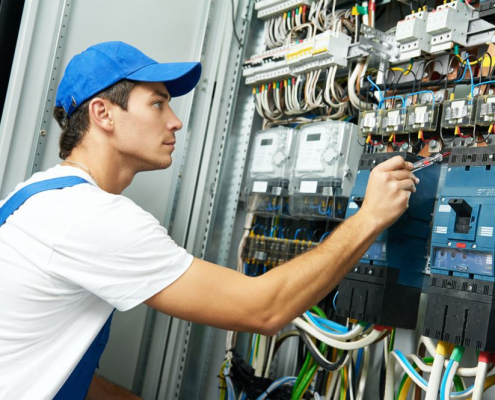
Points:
(180, 78)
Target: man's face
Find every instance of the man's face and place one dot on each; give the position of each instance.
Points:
(145, 134)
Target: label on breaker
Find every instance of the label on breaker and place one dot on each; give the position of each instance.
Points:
(471, 262)
(260, 187)
(459, 109)
(377, 252)
(309, 152)
(393, 118)
(421, 115)
(308, 187)
(264, 150)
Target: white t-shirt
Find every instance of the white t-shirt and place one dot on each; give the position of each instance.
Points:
(67, 258)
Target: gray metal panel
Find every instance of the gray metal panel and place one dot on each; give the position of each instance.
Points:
(165, 30)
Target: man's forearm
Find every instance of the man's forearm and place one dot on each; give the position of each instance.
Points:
(301, 283)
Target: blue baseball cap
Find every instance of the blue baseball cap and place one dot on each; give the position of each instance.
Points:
(104, 64)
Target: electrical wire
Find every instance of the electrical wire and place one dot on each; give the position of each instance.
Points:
(233, 25)
(320, 358)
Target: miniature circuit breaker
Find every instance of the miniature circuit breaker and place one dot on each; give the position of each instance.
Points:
(323, 50)
(458, 112)
(448, 26)
(422, 117)
(267, 178)
(322, 174)
(460, 306)
(388, 279)
(369, 122)
(272, 8)
(412, 36)
(485, 110)
(393, 121)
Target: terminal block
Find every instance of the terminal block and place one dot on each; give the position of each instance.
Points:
(485, 110)
(412, 36)
(273, 8)
(422, 117)
(369, 122)
(388, 279)
(393, 121)
(460, 306)
(459, 112)
(448, 25)
(323, 50)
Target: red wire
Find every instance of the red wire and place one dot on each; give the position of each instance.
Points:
(399, 144)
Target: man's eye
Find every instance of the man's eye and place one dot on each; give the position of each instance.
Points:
(158, 105)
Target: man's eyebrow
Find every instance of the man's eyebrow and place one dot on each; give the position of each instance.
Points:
(165, 95)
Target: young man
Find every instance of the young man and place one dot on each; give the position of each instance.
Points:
(69, 257)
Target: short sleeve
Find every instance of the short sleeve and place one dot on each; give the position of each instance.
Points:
(119, 252)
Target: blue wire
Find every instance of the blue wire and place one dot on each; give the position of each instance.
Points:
(480, 84)
(376, 87)
(273, 230)
(392, 97)
(422, 91)
(358, 362)
(335, 300)
(410, 368)
(319, 322)
(324, 236)
(276, 384)
(443, 387)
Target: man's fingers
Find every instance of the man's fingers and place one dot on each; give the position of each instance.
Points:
(394, 164)
(408, 185)
(404, 174)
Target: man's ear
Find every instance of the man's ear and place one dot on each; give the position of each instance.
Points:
(100, 113)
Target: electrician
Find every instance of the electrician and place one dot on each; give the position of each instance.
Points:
(69, 257)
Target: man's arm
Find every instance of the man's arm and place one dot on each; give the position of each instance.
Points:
(101, 389)
(218, 296)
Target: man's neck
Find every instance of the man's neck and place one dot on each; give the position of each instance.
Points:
(109, 173)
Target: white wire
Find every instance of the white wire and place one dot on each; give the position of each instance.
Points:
(374, 335)
(385, 351)
(430, 346)
(479, 382)
(393, 358)
(260, 359)
(270, 356)
(352, 334)
(364, 373)
(450, 379)
(435, 377)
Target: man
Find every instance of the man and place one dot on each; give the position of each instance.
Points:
(69, 257)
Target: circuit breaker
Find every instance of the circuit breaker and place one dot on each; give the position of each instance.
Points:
(412, 36)
(448, 26)
(460, 306)
(324, 161)
(388, 279)
(267, 177)
(458, 112)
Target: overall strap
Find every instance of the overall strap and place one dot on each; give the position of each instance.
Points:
(20, 197)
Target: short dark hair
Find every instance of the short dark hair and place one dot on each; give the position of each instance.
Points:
(74, 128)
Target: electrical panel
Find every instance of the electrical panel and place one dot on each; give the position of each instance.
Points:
(267, 178)
(322, 176)
(460, 306)
(391, 270)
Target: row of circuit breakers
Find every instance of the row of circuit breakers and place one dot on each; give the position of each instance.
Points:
(421, 33)
(320, 167)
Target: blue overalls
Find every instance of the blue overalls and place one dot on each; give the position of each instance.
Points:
(77, 385)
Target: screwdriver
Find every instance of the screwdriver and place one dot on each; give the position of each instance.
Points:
(428, 161)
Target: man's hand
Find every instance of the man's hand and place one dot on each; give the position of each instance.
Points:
(389, 189)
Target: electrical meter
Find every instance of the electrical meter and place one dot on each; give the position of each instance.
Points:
(369, 122)
(422, 117)
(459, 112)
(485, 110)
(324, 159)
(393, 121)
(267, 180)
